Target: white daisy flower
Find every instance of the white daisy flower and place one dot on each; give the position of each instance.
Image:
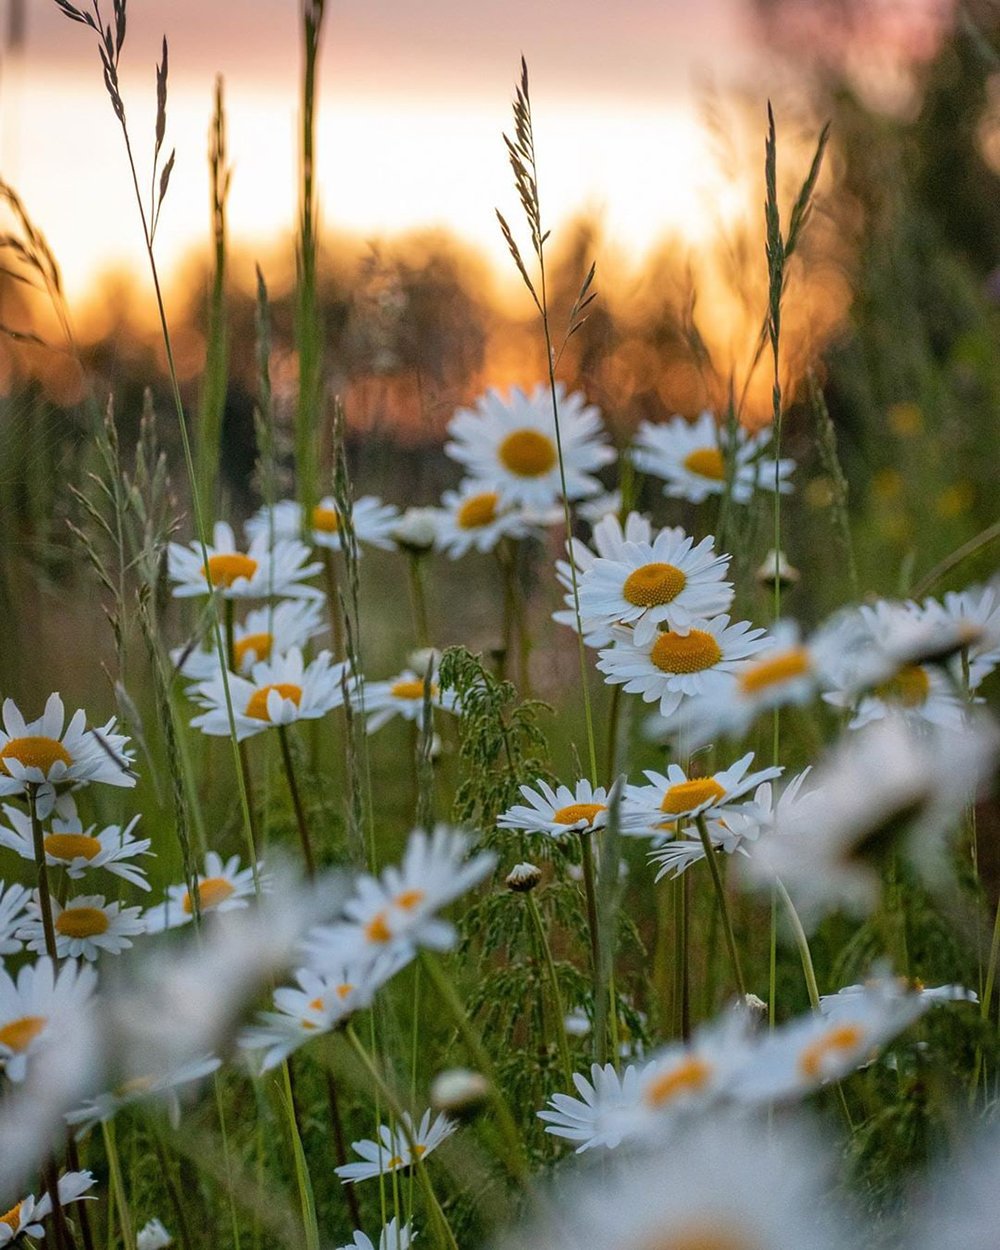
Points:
(24, 1219)
(476, 516)
(397, 1150)
(674, 796)
(690, 457)
(13, 905)
(667, 582)
(223, 887)
(397, 911)
(85, 927)
(372, 521)
(279, 692)
(49, 754)
(561, 811)
(417, 529)
(674, 667)
(266, 632)
(402, 695)
(153, 1236)
(512, 444)
(601, 506)
(32, 1007)
(609, 538)
(392, 1237)
(603, 1113)
(260, 573)
(144, 1086)
(974, 612)
(840, 1006)
(956, 1206)
(79, 850)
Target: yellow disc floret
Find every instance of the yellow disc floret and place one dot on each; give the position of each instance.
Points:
(528, 453)
(19, 1034)
(259, 644)
(325, 520)
(12, 1218)
(478, 510)
(576, 812)
(211, 892)
(227, 567)
(910, 687)
(785, 666)
(690, 1076)
(685, 796)
(688, 653)
(411, 689)
(257, 704)
(706, 462)
(82, 922)
(70, 846)
(838, 1040)
(653, 584)
(35, 752)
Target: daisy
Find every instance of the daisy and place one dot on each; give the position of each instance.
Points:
(49, 754)
(476, 516)
(279, 692)
(33, 1006)
(958, 1206)
(153, 1236)
(403, 695)
(396, 1150)
(266, 632)
(84, 927)
(674, 667)
(223, 887)
(558, 812)
(667, 582)
(512, 444)
(609, 538)
(674, 796)
(143, 1086)
(840, 1006)
(976, 613)
(603, 1113)
(260, 573)
(13, 904)
(416, 530)
(392, 1237)
(79, 850)
(690, 457)
(371, 520)
(601, 506)
(25, 1217)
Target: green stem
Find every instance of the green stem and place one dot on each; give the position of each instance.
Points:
(418, 601)
(593, 926)
(614, 724)
(557, 1000)
(333, 605)
(720, 894)
(802, 942)
(117, 1183)
(300, 814)
(307, 1201)
(44, 897)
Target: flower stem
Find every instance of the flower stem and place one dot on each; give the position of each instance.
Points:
(333, 596)
(418, 601)
(44, 897)
(593, 925)
(802, 942)
(293, 790)
(117, 1183)
(557, 1000)
(720, 894)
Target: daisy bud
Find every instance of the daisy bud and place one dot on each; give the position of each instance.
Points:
(459, 1092)
(523, 878)
(416, 531)
(424, 658)
(776, 566)
(755, 1008)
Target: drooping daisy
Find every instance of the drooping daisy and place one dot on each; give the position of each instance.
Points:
(397, 1150)
(608, 539)
(371, 520)
(79, 850)
(690, 457)
(840, 1006)
(476, 516)
(279, 692)
(674, 667)
(266, 632)
(24, 1219)
(34, 1005)
(392, 1237)
(557, 812)
(603, 1113)
(667, 582)
(13, 905)
(51, 755)
(512, 444)
(223, 887)
(416, 530)
(976, 613)
(143, 1086)
(153, 1236)
(85, 927)
(260, 573)
(403, 695)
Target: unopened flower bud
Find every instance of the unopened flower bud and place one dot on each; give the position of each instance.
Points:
(776, 567)
(523, 878)
(459, 1092)
(416, 530)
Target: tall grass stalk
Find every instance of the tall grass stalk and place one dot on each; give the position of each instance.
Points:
(558, 1010)
(720, 894)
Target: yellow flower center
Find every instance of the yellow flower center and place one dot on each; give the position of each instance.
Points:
(410, 899)
(82, 922)
(259, 644)
(211, 892)
(34, 752)
(257, 705)
(689, 1076)
(706, 462)
(377, 930)
(686, 795)
(325, 520)
(478, 510)
(578, 811)
(702, 1237)
(785, 666)
(910, 687)
(528, 453)
(344, 990)
(224, 569)
(12, 1218)
(692, 653)
(71, 846)
(396, 1161)
(411, 689)
(653, 584)
(19, 1034)
(840, 1038)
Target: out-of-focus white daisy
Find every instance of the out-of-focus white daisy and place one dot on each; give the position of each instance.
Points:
(153, 1087)
(975, 612)
(13, 905)
(392, 1237)
(397, 1150)
(476, 516)
(403, 695)
(956, 1206)
(79, 850)
(890, 784)
(223, 887)
(85, 927)
(279, 692)
(600, 506)
(24, 1219)
(260, 573)
(667, 582)
(49, 754)
(266, 632)
(32, 1006)
(690, 457)
(153, 1236)
(417, 529)
(371, 519)
(512, 444)
(674, 667)
(840, 1006)
(397, 911)
(602, 1115)
(675, 796)
(558, 812)
(609, 539)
